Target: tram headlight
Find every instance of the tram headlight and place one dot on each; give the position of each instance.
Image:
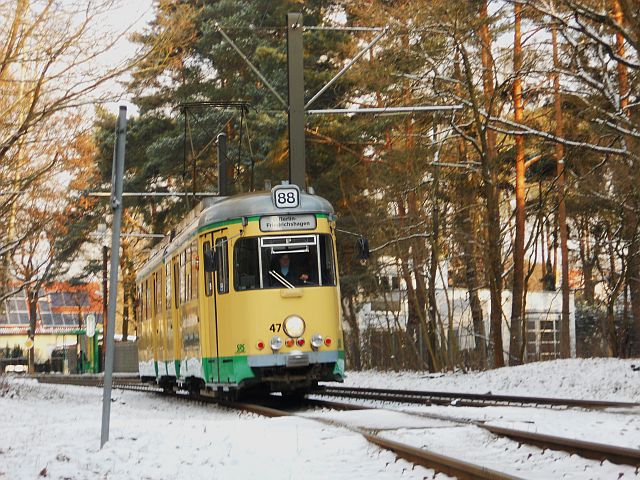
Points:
(275, 342)
(316, 340)
(294, 326)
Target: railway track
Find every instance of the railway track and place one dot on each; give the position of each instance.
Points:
(463, 399)
(592, 450)
(419, 456)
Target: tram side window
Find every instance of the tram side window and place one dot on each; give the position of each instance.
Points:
(176, 283)
(208, 276)
(183, 290)
(194, 270)
(327, 265)
(158, 291)
(222, 276)
(186, 266)
(139, 303)
(167, 285)
(154, 283)
(246, 264)
(147, 299)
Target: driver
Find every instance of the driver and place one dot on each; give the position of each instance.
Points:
(285, 269)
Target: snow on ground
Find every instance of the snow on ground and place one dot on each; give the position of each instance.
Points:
(475, 445)
(53, 431)
(592, 379)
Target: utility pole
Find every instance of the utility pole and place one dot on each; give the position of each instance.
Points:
(116, 206)
(295, 70)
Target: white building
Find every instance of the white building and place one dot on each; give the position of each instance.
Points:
(543, 312)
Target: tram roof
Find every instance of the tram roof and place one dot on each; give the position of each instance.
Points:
(258, 204)
(221, 209)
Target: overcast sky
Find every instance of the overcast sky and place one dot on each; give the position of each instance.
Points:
(129, 16)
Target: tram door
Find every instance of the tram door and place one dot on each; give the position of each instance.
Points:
(216, 284)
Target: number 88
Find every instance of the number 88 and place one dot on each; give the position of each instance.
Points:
(286, 197)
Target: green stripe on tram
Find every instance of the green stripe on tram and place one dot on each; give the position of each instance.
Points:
(224, 223)
(235, 369)
(232, 369)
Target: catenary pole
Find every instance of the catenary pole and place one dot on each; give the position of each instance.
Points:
(296, 99)
(116, 207)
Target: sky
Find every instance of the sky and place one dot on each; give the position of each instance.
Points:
(127, 17)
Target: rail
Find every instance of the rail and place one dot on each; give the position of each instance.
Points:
(462, 399)
(418, 456)
(592, 450)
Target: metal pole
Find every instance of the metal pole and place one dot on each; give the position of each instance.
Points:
(386, 110)
(296, 99)
(105, 261)
(116, 206)
(223, 183)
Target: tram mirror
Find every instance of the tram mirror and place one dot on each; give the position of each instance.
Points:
(210, 261)
(362, 248)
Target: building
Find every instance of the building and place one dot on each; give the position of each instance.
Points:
(543, 313)
(62, 312)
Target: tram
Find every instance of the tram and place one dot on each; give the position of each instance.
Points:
(244, 296)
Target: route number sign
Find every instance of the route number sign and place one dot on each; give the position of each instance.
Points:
(286, 196)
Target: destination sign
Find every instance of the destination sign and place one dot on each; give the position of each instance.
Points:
(276, 223)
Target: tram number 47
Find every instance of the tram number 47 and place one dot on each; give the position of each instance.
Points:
(275, 327)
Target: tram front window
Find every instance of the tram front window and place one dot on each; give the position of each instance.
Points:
(284, 262)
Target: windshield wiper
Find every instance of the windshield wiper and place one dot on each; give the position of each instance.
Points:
(281, 279)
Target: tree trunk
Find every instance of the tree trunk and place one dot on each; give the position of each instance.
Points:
(623, 81)
(565, 324)
(32, 303)
(588, 257)
(466, 230)
(515, 343)
(354, 340)
(435, 255)
(424, 295)
(491, 194)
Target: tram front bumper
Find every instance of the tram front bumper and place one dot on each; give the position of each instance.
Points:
(293, 359)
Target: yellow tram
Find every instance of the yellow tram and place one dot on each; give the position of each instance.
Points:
(244, 295)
